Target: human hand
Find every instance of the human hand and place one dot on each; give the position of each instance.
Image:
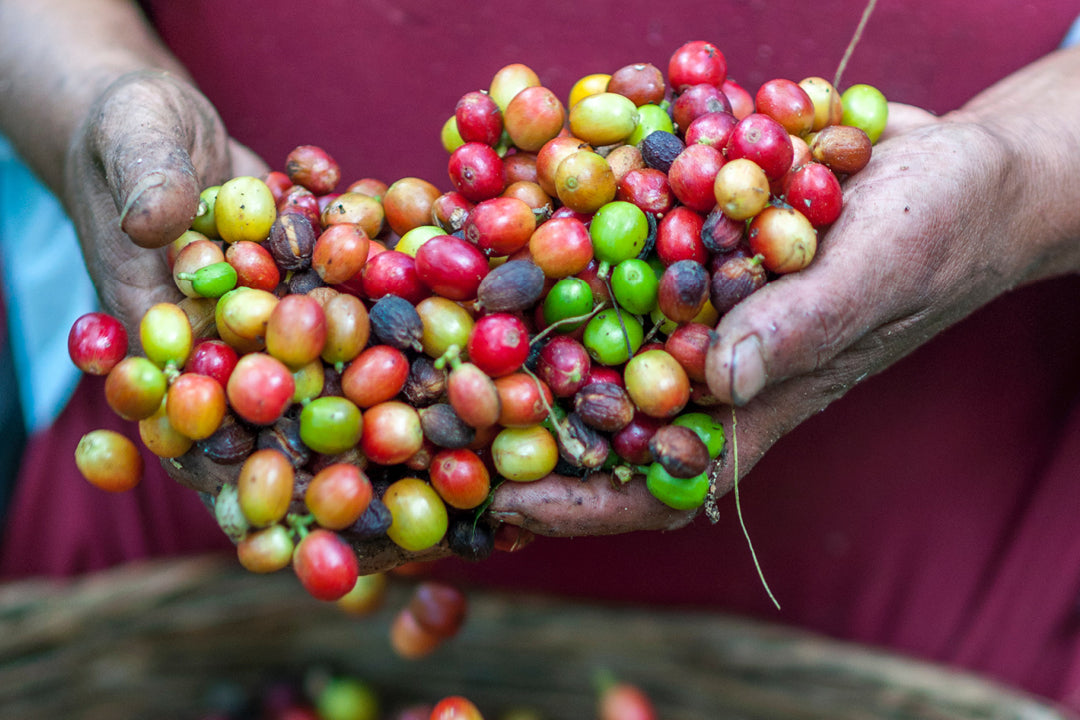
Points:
(198, 472)
(936, 226)
(931, 230)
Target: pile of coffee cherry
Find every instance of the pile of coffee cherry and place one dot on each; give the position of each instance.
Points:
(374, 360)
(322, 693)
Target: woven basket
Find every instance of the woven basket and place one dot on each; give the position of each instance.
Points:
(153, 640)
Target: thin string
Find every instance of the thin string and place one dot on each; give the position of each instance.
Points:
(854, 41)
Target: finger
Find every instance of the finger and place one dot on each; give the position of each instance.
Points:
(244, 161)
(856, 283)
(563, 506)
(146, 133)
(905, 118)
(791, 326)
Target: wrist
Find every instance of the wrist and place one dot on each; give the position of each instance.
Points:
(1031, 118)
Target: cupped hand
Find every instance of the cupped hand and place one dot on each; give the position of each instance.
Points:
(198, 472)
(931, 230)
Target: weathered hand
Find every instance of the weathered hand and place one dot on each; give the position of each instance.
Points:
(196, 471)
(931, 230)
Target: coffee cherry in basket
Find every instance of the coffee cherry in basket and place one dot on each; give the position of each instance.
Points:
(624, 701)
(455, 707)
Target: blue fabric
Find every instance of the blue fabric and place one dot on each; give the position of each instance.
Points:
(1073, 36)
(46, 287)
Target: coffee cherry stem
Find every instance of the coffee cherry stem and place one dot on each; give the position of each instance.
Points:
(300, 524)
(171, 371)
(618, 315)
(451, 357)
(556, 423)
(482, 507)
(566, 321)
(622, 474)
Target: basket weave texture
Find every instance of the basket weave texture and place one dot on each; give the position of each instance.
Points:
(153, 640)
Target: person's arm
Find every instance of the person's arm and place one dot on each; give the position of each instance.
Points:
(57, 57)
(950, 213)
(108, 118)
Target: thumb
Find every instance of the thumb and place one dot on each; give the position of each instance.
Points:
(159, 143)
(792, 326)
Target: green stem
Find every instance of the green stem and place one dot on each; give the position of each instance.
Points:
(619, 317)
(566, 321)
(300, 524)
(451, 357)
(555, 422)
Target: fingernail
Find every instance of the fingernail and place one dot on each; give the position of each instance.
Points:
(148, 181)
(747, 370)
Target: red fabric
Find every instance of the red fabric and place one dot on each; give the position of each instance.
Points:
(930, 511)
(373, 82)
(61, 525)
